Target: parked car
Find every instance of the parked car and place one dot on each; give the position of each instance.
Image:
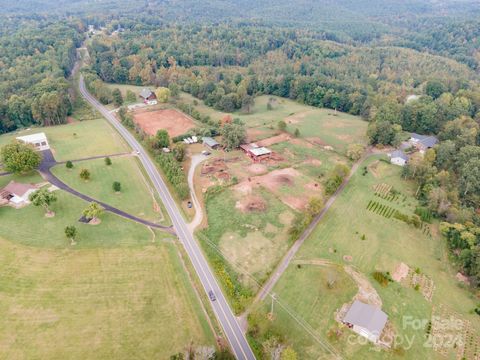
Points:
(189, 204)
(206, 153)
(211, 295)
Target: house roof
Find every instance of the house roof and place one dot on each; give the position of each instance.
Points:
(210, 141)
(366, 316)
(33, 138)
(399, 154)
(255, 149)
(18, 189)
(259, 151)
(145, 93)
(426, 140)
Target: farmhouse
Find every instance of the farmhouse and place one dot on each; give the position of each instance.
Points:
(148, 97)
(422, 142)
(257, 153)
(38, 140)
(16, 194)
(210, 142)
(366, 320)
(398, 157)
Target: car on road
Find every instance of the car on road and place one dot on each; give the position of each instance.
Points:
(211, 295)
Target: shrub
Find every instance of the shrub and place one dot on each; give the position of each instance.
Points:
(69, 164)
(116, 186)
(382, 278)
(85, 174)
(108, 161)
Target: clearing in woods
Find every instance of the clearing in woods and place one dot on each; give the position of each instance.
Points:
(175, 122)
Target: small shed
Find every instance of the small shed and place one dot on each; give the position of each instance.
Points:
(38, 140)
(366, 320)
(398, 157)
(210, 142)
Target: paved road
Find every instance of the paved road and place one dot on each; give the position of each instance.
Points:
(48, 162)
(224, 314)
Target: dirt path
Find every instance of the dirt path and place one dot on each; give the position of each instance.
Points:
(282, 266)
(198, 218)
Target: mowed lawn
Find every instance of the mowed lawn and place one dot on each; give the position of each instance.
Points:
(122, 303)
(387, 243)
(136, 196)
(77, 140)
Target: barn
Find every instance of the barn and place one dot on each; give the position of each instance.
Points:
(255, 152)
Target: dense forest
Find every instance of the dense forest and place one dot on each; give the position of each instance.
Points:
(36, 58)
(363, 57)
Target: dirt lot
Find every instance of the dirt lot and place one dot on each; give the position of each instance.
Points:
(174, 121)
(277, 181)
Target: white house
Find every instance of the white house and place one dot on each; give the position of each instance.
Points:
(16, 194)
(38, 140)
(398, 157)
(366, 320)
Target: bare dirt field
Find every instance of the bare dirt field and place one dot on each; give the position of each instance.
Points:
(175, 122)
(274, 140)
(277, 182)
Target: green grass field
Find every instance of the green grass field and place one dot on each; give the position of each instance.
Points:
(323, 125)
(78, 140)
(122, 303)
(135, 197)
(387, 243)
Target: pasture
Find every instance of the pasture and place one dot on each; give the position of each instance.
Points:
(250, 233)
(122, 302)
(369, 241)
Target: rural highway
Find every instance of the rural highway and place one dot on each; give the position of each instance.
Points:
(240, 347)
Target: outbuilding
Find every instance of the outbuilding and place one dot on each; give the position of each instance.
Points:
(38, 140)
(366, 320)
(16, 194)
(255, 152)
(398, 157)
(210, 142)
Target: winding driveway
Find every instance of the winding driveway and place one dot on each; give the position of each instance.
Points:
(270, 283)
(49, 161)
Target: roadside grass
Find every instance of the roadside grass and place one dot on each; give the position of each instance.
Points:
(121, 303)
(135, 196)
(78, 140)
(387, 243)
(255, 241)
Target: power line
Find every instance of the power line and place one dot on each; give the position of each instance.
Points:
(304, 324)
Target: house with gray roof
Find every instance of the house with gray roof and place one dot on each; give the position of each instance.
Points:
(366, 320)
(423, 142)
(148, 96)
(398, 157)
(210, 142)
